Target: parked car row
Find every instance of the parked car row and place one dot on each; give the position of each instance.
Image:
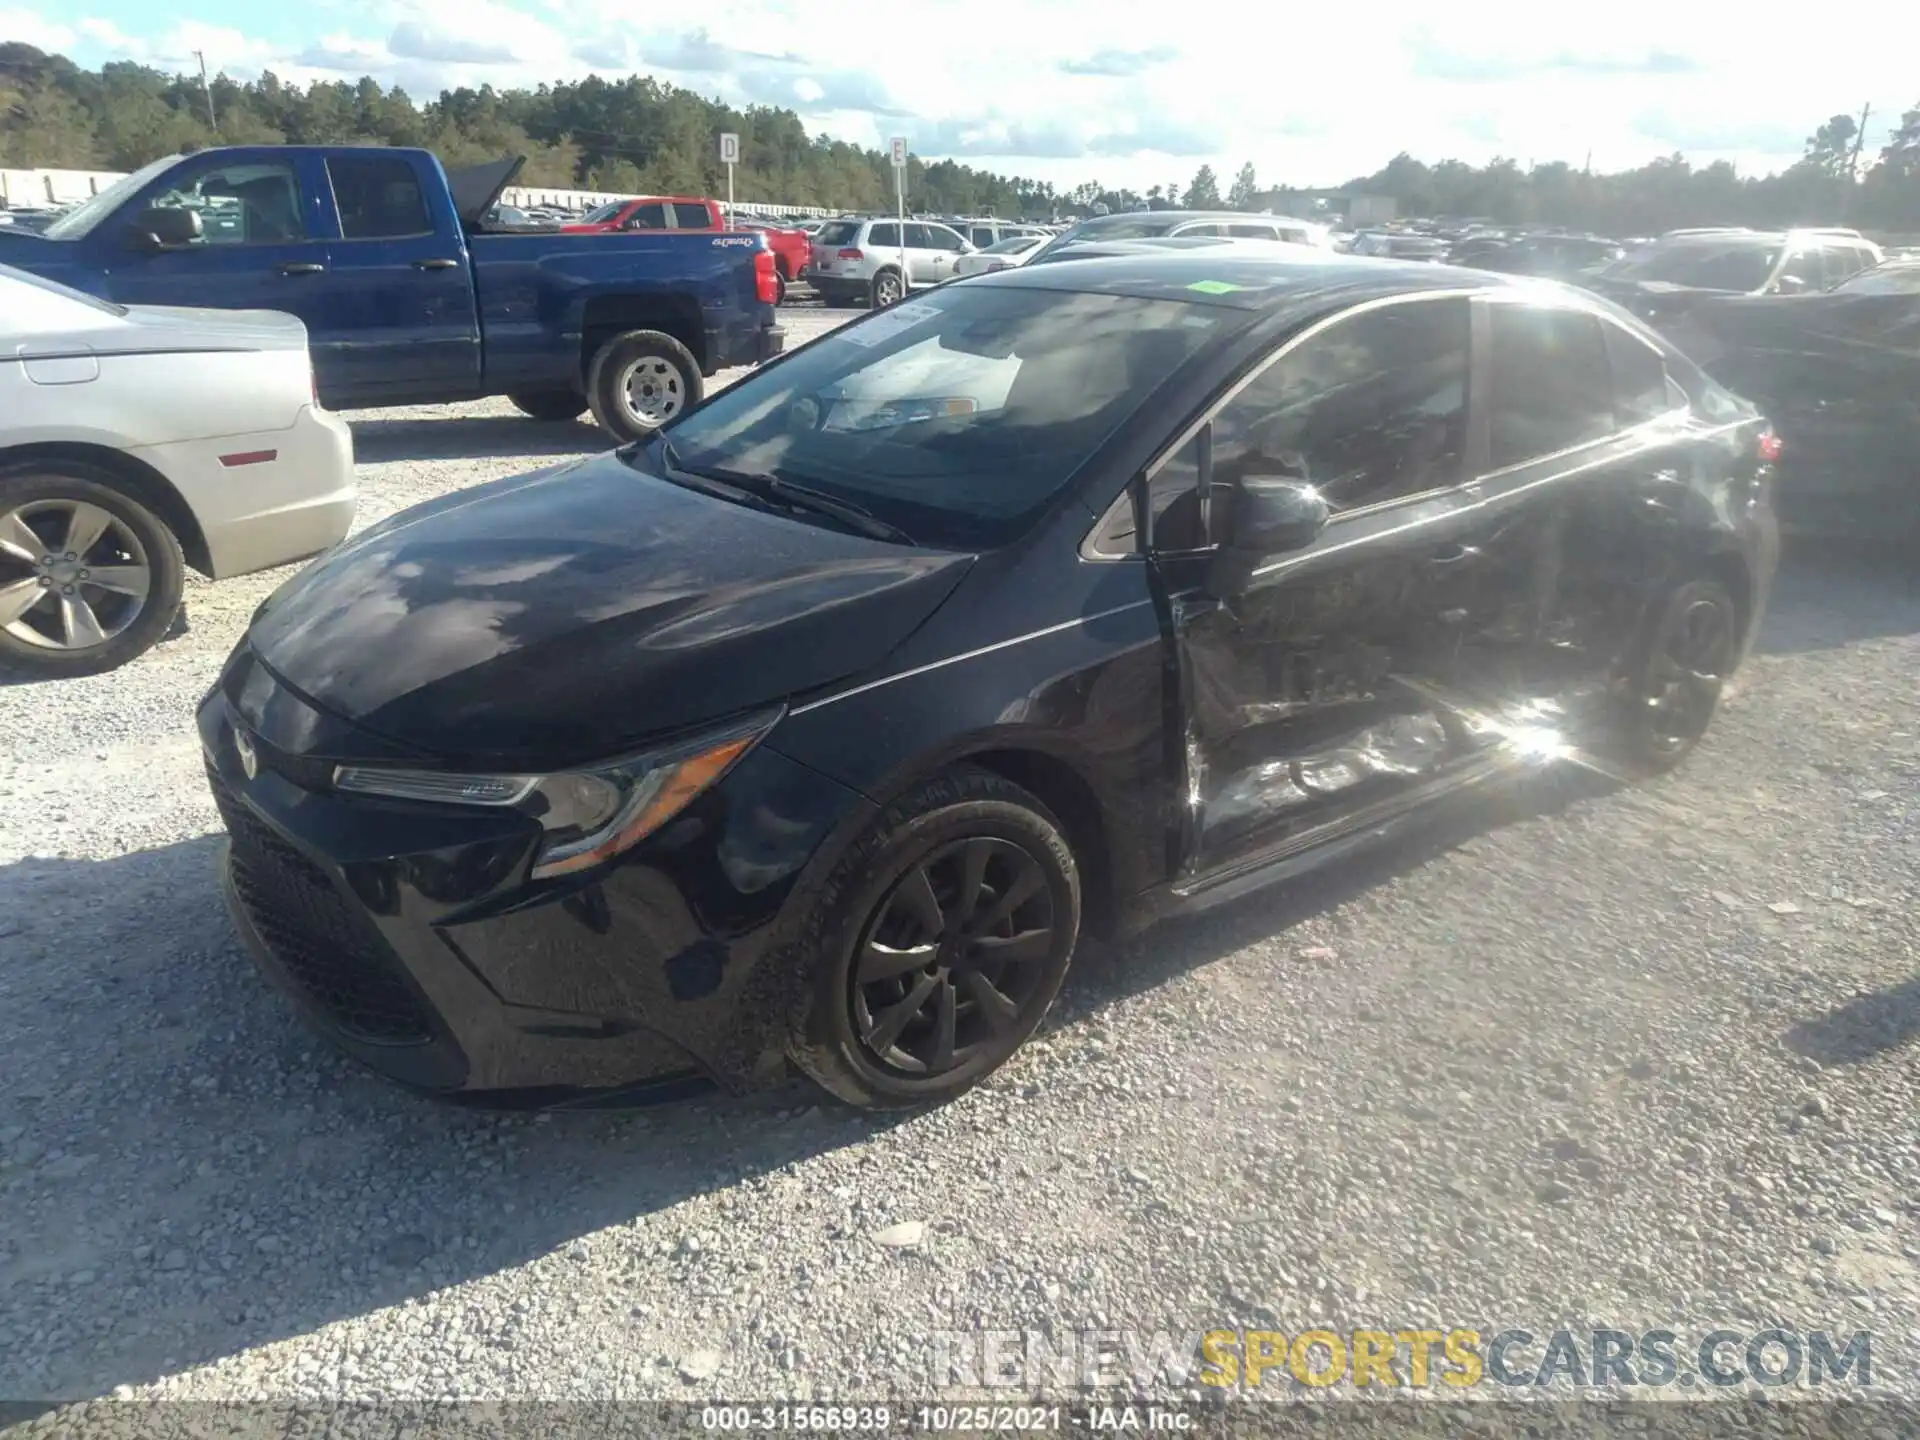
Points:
(142, 429)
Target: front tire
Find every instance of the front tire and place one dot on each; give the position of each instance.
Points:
(549, 404)
(639, 381)
(89, 577)
(1692, 643)
(942, 938)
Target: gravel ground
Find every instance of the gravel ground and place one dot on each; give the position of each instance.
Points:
(1640, 1058)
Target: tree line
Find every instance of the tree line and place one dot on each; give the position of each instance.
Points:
(638, 136)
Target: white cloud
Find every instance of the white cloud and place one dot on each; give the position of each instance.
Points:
(1122, 90)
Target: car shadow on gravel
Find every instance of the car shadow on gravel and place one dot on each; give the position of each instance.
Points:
(474, 437)
(1104, 974)
(1861, 1030)
(1830, 593)
(187, 1173)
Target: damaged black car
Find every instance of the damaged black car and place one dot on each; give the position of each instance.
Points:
(817, 730)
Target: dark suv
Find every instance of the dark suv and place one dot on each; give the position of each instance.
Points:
(1660, 280)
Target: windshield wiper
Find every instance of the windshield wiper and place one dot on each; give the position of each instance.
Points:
(773, 489)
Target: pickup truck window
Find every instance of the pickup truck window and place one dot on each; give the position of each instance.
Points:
(80, 220)
(251, 203)
(690, 216)
(378, 196)
(652, 216)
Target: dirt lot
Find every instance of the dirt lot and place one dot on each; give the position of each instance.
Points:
(1633, 1058)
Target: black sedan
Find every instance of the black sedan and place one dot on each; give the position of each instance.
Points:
(1839, 374)
(820, 727)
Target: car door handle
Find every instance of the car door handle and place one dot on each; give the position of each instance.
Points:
(1453, 555)
(435, 264)
(302, 267)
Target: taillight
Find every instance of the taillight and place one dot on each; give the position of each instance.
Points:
(1769, 448)
(766, 280)
(851, 254)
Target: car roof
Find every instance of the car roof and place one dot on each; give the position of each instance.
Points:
(1244, 275)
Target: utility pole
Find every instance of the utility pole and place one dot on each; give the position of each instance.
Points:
(1859, 143)
(207, 90)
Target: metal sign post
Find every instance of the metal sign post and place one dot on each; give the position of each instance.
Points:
(730, 157)
(900, 203)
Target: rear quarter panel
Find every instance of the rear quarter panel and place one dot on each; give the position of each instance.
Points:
(535, 291)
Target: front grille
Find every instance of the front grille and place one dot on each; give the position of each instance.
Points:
(319, 941)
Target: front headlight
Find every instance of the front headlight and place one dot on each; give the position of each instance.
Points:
(589, 815)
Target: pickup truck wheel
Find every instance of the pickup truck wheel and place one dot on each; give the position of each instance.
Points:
(549, 404)
(89, 578)
(779, 288)
(887, 289)
(641, 380)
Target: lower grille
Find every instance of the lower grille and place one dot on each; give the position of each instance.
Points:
(315, 936)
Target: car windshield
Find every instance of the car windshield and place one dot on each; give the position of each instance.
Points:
(605, 213)
(1882, 280)
(955, 417)
(81, 220)
(1702, 267)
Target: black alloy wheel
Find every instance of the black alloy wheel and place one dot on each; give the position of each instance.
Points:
(954, 955)
(1692, 647)
(947, 933)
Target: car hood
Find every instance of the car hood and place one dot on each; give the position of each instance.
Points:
(570, 614)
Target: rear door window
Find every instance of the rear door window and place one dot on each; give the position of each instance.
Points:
(379, 197)
(983, 235)
(1641, 389)
(1552, 385)
(1805, 265)
(1249, 231)
(884, 237)
(690, 215)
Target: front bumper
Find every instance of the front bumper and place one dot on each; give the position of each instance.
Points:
(410, 937)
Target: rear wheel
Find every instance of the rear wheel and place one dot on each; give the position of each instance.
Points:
(641, 380)
(779, 288)
(1691, 646)
(887, 289)
(89, 577)
(549, 404)
(943, 937)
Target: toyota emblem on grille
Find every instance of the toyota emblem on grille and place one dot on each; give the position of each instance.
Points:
(249, 761)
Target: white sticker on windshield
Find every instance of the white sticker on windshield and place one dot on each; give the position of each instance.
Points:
(889, 323)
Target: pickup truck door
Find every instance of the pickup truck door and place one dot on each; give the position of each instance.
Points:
(402, 313)
(262, 246)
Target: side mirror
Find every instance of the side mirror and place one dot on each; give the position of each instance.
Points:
(165, 227)
(1268, 515)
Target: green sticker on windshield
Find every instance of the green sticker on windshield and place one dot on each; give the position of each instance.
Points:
(1214, 287)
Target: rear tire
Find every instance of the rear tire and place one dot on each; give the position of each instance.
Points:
(1691, 644)
(779, 288)
(549, 404)
(905, 1010)
(44, 626)
(639, 381)
(886, 290)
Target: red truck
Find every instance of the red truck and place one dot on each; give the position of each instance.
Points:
(792, 249)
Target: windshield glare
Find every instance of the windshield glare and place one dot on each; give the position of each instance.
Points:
(604, 213)
(1728, 267)
(80, 220)
(957, 416)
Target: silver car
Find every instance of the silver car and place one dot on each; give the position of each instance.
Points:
(875, 262)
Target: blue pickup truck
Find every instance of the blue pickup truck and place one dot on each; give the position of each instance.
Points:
(406, 297)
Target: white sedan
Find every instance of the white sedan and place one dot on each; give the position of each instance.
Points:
(1012, 251)
(137, 440)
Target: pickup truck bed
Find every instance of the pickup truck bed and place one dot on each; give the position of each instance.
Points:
(406, 299)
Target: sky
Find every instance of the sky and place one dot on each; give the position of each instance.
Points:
(1127, 93)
